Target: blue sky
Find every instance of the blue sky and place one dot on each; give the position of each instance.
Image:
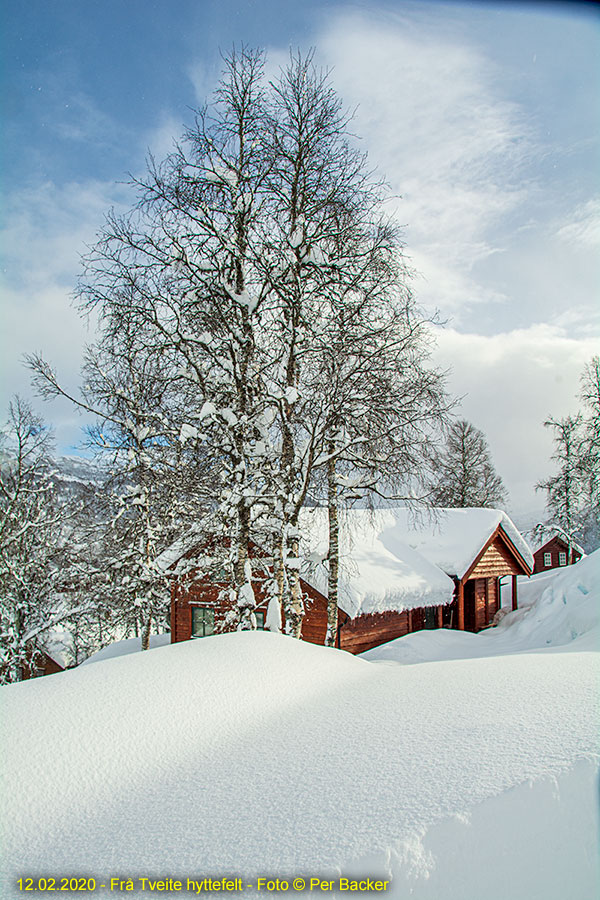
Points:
(485, 119)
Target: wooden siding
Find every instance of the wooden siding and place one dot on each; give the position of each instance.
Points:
(497, 560)
(48, 666)
(192, 592)
(481, 614)
(314, 624)
(481, 602)
(368, 631)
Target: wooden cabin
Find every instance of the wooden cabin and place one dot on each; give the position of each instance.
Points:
(46, 665)
(395, 578)
(555, 553)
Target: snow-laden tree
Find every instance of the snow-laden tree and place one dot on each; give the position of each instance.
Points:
(37, 556)
(181, 269)
(248, 246)
(151, 487)
(464, 474)
(573, 492)
(382, 406)
(564, 489)
(590, 454)
(347, 328)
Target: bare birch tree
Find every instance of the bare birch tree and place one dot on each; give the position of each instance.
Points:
(464, 472)
(35, 544)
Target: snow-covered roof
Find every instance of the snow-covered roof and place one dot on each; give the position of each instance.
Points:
(174, 552)
(453, 538)
(58, 645)
(390, 561)
(539, 540)
(378, 572)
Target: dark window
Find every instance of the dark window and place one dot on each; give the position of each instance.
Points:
(430, 617)
(562, 559)
(203, 621)
(547, 559)
(260, 619)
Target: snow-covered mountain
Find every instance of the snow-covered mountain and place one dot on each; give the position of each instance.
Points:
(252, 754)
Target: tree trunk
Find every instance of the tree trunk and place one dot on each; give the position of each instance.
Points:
(293, 604)
(146, 633)
(245, 599)
(333, 554)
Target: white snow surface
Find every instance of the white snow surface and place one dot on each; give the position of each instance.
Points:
(454, 537)
(389, 561)
(252, 753)
(127, 646)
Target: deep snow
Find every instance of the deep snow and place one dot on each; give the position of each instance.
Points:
(127, 646)
(256, 754)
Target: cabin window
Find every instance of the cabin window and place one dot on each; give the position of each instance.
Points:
(260, 619)
(562, 559)
(203, 621)
(547, 559)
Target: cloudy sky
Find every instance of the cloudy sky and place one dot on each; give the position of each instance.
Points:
(484, 118)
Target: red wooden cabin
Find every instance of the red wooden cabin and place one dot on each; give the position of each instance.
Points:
(555, 553)
(47, 665)
(420, 589)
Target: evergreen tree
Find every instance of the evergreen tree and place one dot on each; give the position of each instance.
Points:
(564, 490)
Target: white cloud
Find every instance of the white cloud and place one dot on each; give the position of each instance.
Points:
(583, 225)
(161, 140)
(204, 77)
(511, 383)
(434, 121)
(47, 229)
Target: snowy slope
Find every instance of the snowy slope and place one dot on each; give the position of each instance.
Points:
(257, 754)
(127, 646)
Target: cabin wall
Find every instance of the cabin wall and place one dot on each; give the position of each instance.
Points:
(195, 592)
(368, 631)
(48, 667)
(314, 624)
(482, 601)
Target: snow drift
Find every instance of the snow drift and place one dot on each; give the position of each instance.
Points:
(250, 754)
(560, 608)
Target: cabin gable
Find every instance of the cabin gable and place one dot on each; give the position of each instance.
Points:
(497, 558)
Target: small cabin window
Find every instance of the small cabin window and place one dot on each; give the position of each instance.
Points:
(203, 621)
(547, 559)
(562, 559)
(260, 619)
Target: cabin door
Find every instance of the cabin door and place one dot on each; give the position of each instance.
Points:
(469, 595)
(430, 617)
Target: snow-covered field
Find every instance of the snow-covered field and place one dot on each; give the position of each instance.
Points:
(256, 755)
